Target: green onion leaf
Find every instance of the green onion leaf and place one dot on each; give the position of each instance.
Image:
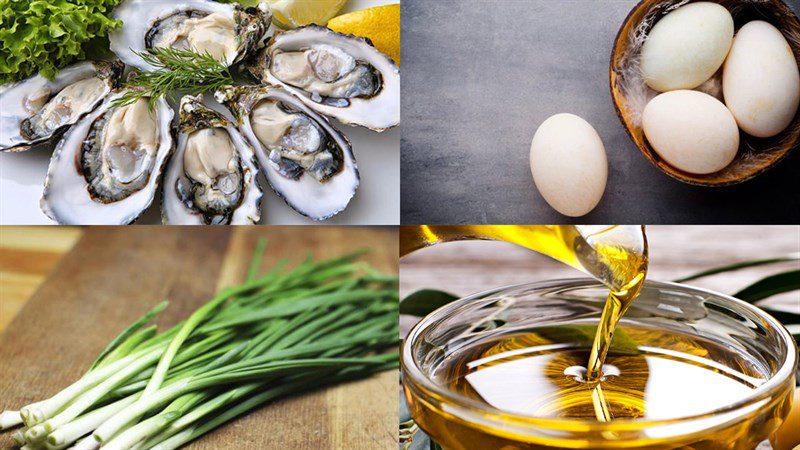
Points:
(126, 333)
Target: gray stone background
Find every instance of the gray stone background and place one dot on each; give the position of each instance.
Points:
(479, 77)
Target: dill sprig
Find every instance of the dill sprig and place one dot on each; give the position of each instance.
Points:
(176, 70)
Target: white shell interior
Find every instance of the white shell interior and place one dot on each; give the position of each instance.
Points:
(306, 195)
(175, 212)
(13, 96)
(378, 113)
(140, 15)
(66, 198)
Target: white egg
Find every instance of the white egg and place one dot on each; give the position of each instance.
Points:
(568, 164)
(687, 46)
(760, 81)
(691, 131)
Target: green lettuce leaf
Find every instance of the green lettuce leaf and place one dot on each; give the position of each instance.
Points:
(43, 36)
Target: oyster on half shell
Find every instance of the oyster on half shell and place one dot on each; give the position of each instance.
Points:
(106, 168)
(338, 75)
(37, 110)
(212, 177)
(227, 32)
(306, 161)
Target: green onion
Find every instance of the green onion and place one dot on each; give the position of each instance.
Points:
(10, 419)
(127, 339)
(279, 333)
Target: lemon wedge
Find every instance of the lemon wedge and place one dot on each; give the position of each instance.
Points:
(380, 24)
(296, 13)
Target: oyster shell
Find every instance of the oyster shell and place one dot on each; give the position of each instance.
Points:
(306, 161)
(107, 167)
(37, 110)
(226, 31)
(338, 75)
(212, 177)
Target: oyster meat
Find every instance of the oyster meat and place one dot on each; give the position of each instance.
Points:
(305, 159)
(328, 73)
(37, 110)
(227, 32)
(107, 167)
(338, 75)
(212, 177)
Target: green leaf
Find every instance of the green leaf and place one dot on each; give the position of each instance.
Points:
(738, 266)
(425, 301)
(769, 286)
(39, 36)
(174, 70)
(255, 262)
(784, 317)
(128, 332)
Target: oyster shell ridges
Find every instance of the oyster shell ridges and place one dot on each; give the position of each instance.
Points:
(140, 16)
(378, 113)
(306, 195)
(67, 197)
(15, 99)
(196, 116)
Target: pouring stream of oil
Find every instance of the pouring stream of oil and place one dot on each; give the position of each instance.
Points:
(614, 255)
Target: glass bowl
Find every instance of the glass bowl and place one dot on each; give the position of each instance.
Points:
(458, 422)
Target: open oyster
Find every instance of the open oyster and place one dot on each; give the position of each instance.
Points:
(107, 167)
(227, 32)
(212, 177)
(338, 75)
(306, 161)
(37, 110)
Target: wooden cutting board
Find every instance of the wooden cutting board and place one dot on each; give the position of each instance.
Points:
(27, 256)
(113, 275)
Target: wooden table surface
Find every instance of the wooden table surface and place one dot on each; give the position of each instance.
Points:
(27, 256)
(467, 267)
(114, 274)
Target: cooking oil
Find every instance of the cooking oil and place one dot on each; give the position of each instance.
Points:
(615, 255)
(650, 374)
(582, 373)
(540, 373)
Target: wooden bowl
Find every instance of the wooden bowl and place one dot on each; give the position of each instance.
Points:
(631, 94)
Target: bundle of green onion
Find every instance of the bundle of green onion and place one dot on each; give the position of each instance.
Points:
(281, 333)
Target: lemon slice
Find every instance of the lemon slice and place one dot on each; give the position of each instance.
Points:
(380, 24)
(296, 13)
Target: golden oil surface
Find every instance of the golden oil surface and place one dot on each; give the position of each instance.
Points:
(648, 374)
